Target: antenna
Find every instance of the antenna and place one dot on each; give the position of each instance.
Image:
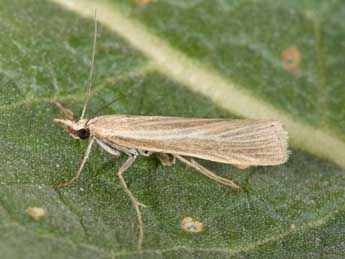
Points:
(91, 70)
(105, 106)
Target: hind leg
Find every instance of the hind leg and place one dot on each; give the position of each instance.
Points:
(192, 163)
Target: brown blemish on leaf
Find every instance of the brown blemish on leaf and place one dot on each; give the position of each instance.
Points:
(291, 58)
(143, 2)
(36, 213)
(190, 225)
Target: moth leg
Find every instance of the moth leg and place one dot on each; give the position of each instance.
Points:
(110, 150)
(135, 202)
(165, 159)
(86, 156)
(208, 173)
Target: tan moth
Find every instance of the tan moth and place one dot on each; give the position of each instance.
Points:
(242, 143)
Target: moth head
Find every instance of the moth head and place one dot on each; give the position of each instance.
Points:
(77, 130)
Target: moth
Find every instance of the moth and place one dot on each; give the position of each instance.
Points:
(242, 143)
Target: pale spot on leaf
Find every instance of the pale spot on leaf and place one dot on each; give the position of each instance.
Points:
(188, 224)
(36, 213)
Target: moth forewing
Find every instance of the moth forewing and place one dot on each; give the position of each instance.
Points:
(237, 142)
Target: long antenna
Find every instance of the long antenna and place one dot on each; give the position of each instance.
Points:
(105, 106)
(89, 81)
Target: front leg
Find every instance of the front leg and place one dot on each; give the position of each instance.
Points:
(109, 149)
(135, 202)
(86, 156)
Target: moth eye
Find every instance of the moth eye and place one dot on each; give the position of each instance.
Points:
(83, 133)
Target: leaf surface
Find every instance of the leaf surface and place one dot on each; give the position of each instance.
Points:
(194, 58)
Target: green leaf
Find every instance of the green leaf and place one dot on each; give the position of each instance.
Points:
(196, 58)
